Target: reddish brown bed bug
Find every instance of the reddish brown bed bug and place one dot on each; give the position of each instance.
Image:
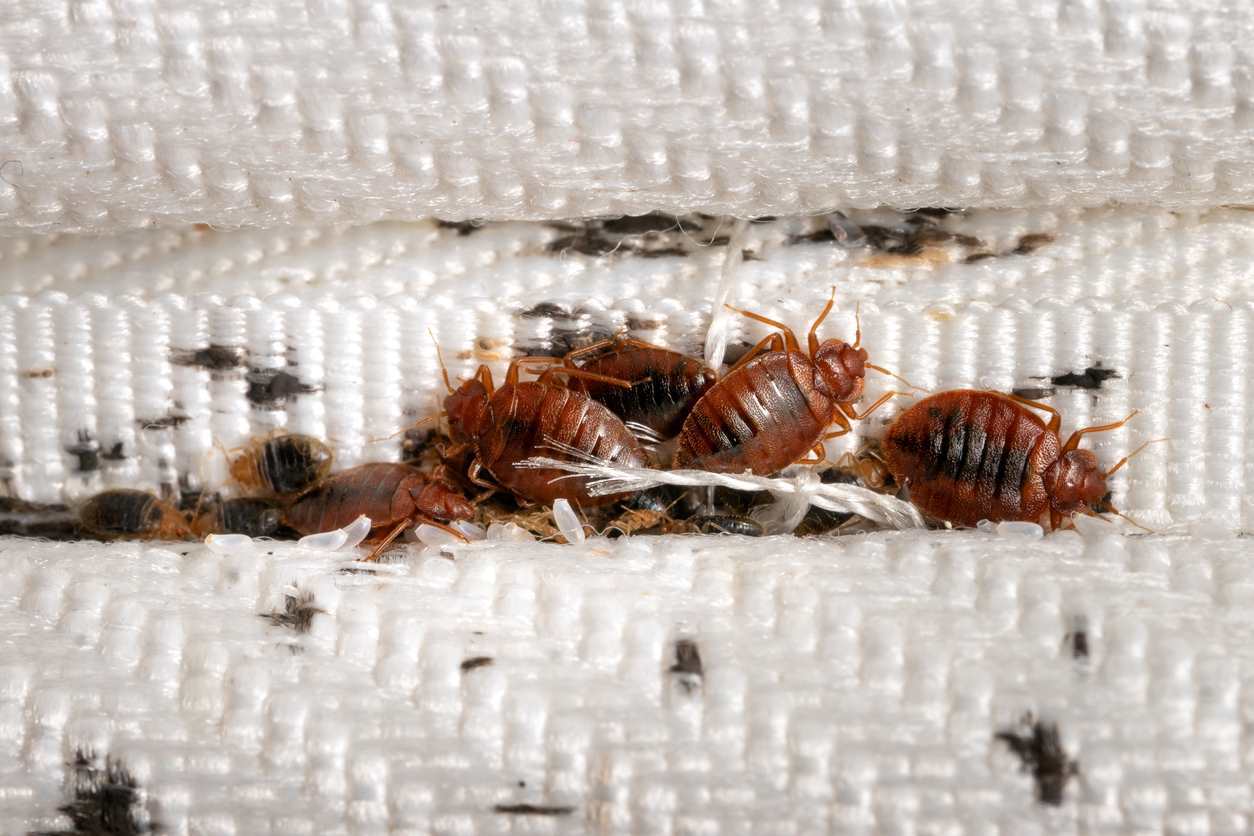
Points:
(774, 405)
(283, 464)
(665, 384)
(538, 418)
(253, 516)
(130, 514)
(394, 496)
(969, 455)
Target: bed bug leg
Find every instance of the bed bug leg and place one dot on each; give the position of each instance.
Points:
(814, 329)
(1055, 418)
(817, 455)
(387, 541)
(790, 339)
(775, 342)
(1074, 441)
(851, 411)
(551, 374)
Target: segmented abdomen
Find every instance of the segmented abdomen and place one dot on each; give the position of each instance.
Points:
(369, 489)
(969, 455)
(665, 386)
(533, 419)
(760, 418)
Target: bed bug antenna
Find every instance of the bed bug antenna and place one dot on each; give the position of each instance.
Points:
(439, 356)
(894, 375)
(1131, 455)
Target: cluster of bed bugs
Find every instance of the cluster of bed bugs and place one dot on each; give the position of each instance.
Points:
(963, 456)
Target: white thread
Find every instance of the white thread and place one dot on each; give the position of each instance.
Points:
(606, 478)
(716, 336)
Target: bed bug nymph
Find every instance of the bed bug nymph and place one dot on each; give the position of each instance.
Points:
(251, 516)
(282, 464)
(538, 418)
(971, 455)
(666, 384)
(776, 402)
(394, 496)
(130, 514)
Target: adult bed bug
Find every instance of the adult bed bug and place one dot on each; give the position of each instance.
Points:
(537, 418)
(775, 404)
(665, 384)
(394, 496)
(130, 514)
(282, 464)
(969, 455)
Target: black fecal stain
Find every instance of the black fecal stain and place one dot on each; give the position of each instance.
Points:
(298, 612)
(533, 810)
(765, 219)
(214, 358)
(818, 236)
(910, 236)
(635, 324)
(33, 519)
(688, 667)
(1091, 378)
(1079, 642)
(38, 374)
(165, 422)
(668, 252)
(463, 228)
(975, 257)
(116, 453)
(106, 800)
(86, 450)
(936, 211)
(477, 662)
(545, 310)
(892, 241)
(1032, 242)
(1033, 393)
(640, 224)
(271, 388)
(1039, 749)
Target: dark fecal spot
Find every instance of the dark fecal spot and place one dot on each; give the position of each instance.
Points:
(819, 236)
(640, 224)
(533, 810)
(893, 241)
(37, 374)
(1078, 640)
(1091, 378)
(214, 358)
(522, 785)
(86, 450)
(545, 310)
(164, 422)
(106, 799)
(765, 219)
(116, 453)
(463, 228)
(974, 257)
(271, 388)
(688, 668)
(1031, 243)
(1039, 749)
(298, 612)
(935, 211)
(1033, 393)
(476, 662)
(634, 324)
(750, 255)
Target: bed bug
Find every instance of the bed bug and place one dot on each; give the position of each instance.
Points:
(727, 524)
(665, 384)
(774, 405)
(130, 514)
(253, 516)
(538, 418)
(969, 455)
(283, 464)
(394, 496)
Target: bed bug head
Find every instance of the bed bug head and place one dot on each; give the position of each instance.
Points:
(442, 501)
(842, 370)
(1076, 482)
(465, 407)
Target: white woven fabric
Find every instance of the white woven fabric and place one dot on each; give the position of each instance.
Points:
(851, 688)
(121, 115)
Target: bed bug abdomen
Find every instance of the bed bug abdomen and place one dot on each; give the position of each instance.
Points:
(664, 384)
(970, 455)
(284, 464)
(124, 513)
